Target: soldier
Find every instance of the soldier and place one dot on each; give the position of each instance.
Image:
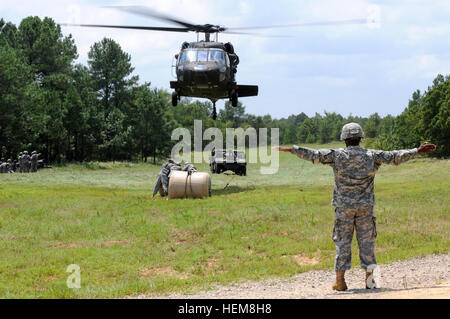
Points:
(354, 170)
(9, 167)
(162, 181)
(26, 162)
(188, 167)
(14, 166)
(3, 168)
(34, 161)
(21, 162)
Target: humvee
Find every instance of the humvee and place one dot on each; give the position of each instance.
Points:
(224, 160)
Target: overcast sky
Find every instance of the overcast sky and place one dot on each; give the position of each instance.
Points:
(358, 69)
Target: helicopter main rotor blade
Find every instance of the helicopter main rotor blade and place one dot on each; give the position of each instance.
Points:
(149, 13)
(324, 23)
(258, 34)
(127, 27)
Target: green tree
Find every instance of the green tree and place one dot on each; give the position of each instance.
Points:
(309, 129)
(153, 127)
(45, 48)
(434, 120)
(234, 115)
(115, 136)
(372, 126)
(83, 119)
(111, 69)
(8, 32)
(15, 86)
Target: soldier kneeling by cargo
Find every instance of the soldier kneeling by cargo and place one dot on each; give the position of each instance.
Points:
(353, 196)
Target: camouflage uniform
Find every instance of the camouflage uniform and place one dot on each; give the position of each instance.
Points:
(34, 161)
(3, 167)
(26, 162)
(188, 167)
(162, 181)
(9, 167)
(21, 162)
(353, 196)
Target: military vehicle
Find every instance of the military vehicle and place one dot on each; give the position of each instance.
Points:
(224, 160)
(42, 165)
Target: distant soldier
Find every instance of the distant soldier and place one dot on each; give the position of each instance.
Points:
(14, 166)
(26, 162)
(21, 162)
(4, 167)
(34, 161)
(353, 196)
(9, 166)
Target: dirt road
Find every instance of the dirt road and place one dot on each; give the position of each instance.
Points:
(427, 277)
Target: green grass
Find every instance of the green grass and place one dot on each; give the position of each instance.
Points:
(101, 216)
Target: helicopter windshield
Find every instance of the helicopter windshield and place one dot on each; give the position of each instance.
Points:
(216, 56)
(202, 55)
(188, 56)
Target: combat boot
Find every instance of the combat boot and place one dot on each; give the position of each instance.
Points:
(368, 274)
(340, 284)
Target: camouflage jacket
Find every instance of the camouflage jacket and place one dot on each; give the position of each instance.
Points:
(354, 170)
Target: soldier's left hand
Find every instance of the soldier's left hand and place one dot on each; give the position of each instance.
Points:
(282, 149)
(426, 148)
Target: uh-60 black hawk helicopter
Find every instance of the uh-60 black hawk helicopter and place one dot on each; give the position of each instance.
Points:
(206, 68)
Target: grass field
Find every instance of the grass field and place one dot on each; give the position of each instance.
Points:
(101, 217)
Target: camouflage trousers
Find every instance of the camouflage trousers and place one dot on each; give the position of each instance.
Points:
(346, 220)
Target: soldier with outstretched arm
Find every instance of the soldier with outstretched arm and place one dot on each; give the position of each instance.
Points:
(353, 196)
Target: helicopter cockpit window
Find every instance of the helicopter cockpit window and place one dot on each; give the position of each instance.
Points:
(202, 56)
(216, 56)
(188, 56)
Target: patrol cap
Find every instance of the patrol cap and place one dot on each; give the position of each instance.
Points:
(351, 130)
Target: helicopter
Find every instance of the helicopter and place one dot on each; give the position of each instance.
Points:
(205, 68)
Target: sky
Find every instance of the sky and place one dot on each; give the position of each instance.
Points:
(347, 69)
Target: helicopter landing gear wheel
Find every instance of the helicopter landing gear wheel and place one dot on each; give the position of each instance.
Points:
(174, 99)
(234, 99)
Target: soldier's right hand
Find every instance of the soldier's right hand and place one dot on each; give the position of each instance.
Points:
(426, 148)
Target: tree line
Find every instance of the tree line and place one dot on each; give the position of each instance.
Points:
(100, 111)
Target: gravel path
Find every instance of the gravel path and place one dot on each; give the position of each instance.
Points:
(416, 278)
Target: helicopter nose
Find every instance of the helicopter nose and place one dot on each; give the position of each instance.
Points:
(203, 74)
